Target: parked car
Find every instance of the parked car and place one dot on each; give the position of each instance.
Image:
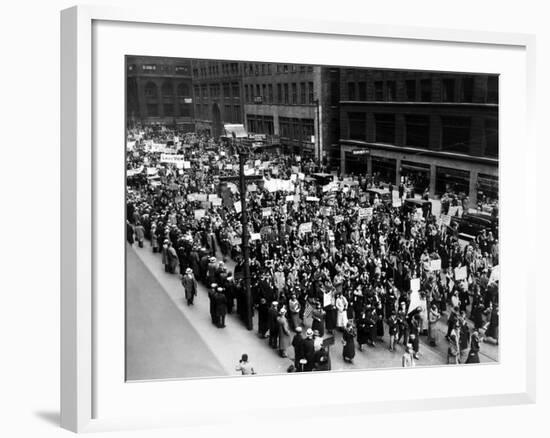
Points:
(383, 194)
(472, 224)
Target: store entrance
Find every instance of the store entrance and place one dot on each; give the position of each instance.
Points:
(416, 175)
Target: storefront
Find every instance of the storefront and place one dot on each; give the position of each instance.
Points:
(417, 174)
(451, 180)
(357, 162)
(384, 169)
(487, 188)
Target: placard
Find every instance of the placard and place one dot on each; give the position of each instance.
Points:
(306, 227)
(461, 273)
(434, 265)
(415, 284)
(199, 214)
(255, 236)
(237, 206)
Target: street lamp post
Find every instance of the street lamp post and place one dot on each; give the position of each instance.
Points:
(318, 136)
(244, 223)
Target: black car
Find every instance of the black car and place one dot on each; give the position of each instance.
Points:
(472, 224)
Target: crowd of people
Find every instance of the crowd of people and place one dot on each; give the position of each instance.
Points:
(327, 255)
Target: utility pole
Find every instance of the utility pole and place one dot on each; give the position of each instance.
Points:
(246, 257)
(318, 136)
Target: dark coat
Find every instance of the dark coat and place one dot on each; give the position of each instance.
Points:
(220, 304)
(309, 354)
(190, 286)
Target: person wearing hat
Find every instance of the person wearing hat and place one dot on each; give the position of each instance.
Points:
(165, 255)
(211, 270)
(298, 344)
(284, 332)
(221, 307)
(273, 326)
(189, 286)
(309, 350)
(318, 315)
(348, 339)
(212, 301)
(263, 318)
(407, 360)
(453, 352)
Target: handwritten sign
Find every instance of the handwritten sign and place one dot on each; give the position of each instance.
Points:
(255, 236)
(237, 206)
(306, 227)
(415, 284)
(434, 265)
(199, 214)
(461, 273)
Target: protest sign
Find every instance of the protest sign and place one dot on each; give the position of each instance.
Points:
(169, 158)
(205, 204)
(211, 197)
(266, 212)
(445, 219)
(289, 198)
(237, 206)
(435, 265)
(201, 197)
(217, 202)
(306, 227)
(199, 214)
(415, 284)
(192, 197)
(312, 198)
(255, 236)
(301, 176)
(338, 219)
(461, 273)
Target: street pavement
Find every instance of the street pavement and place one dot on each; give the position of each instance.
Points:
(169, 339)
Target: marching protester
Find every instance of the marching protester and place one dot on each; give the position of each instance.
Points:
(324, 253)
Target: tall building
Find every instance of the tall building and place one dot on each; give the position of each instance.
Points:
(217, 91)
(284, 102)
(159, 91)
(440, 130)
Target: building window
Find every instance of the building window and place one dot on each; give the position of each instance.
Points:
(182, 69)
(197, 90)
(246, 98)
(279, 92)
(185, 110)
(294, 93)
(390, 90)
(310, 93)
(285, 100)
(308, 129)
(410, 90)
(467, 90)
(378, 90)
(183, 90)
(455, 136)
(491, 138)
(169, 109)
(237, 113)
(426, 90)
(302, 93)
(151, 89)
(362, 90)
(285, 68)
(226, 90)
(417, 131)
(264, 92)
(351, 91)
(448, 90)
(152, 110)
(270, 93)
(492, 89)
(235, 90)
(357, 126)
(167, 89)
(384, 128)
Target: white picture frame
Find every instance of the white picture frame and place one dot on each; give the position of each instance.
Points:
(82, 368)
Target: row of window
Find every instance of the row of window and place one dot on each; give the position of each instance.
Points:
(162, 68)
(257, 69)
(422, 90)
(289, 127)
(231, 113)
(213, 70)
(295, 93)
(454, 136)
(214, 91)
(169, 110)
(167, 89)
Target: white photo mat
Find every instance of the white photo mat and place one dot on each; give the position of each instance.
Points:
(100, 389)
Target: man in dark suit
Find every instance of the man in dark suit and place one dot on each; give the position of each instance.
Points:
(309, 351)
(273, 314)
(298, 344)
(221, 307)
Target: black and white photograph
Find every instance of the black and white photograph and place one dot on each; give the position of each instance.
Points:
(295, 218)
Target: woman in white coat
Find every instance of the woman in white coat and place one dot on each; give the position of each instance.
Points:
(341, 305)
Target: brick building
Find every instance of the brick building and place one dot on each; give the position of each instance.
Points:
(290, 103)
(217, 91)
(159, 91)
(439, 130)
